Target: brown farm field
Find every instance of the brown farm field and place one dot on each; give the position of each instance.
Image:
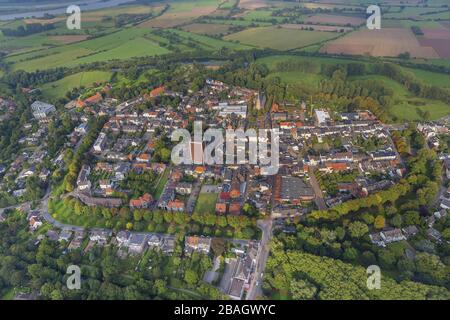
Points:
(252, 4)
(436, 33)
(70, 38)
(387, 42)
(173, 19)
(438, 39)
(339, 20)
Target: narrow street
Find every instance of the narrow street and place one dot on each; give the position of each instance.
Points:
(320, 202)
(255, 290)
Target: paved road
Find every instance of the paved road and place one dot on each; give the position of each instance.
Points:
(320, 202)
(255, 289)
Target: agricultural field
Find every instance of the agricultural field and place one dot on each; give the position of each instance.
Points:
(207, 42)
(280, 38)
(339, 20)
(314, 27)
(54, 90)
(109, 47)
(207, 28)
(387, 42)
(182, 12)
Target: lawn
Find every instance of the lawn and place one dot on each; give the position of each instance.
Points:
(206, 203)
(280, 38)
(59, 88)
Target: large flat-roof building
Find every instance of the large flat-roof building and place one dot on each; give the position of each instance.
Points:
(42, 110)
(322, 117)
(227, 110)
(295, 190)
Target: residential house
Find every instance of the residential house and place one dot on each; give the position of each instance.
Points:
(122, 237)
(154, 241)
(175, 205)
(392, 235)
(83, 182)
(195, 243)
(65, 235)
(34, 222)
(184, 188)
(168, 245)
(99, 236)
(137, 243)
(142, 202)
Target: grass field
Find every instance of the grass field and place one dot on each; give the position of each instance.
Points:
(307, 80)
(182, 12)
(58, 88)
(206, 203)
(432, 78)
(280, 38)
(410, 108)
(207, 42)
(112, 46)
(207, 28)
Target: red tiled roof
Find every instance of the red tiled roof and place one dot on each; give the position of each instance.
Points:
(157, 91)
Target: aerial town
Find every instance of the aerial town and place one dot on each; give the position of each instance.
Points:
(325, 159)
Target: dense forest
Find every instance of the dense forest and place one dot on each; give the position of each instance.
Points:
(302, 276)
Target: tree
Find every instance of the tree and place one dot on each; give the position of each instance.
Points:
(191, 278)
(302, 290)
(379, 222)
(396, 221)
(218, 246)
(358, 229)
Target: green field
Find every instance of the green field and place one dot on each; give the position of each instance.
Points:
(208, 43)
(206, 203)
(408, 12)
(431, 78)
(280, 38)
(59, 88)
(113, 46)
(410, 108)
